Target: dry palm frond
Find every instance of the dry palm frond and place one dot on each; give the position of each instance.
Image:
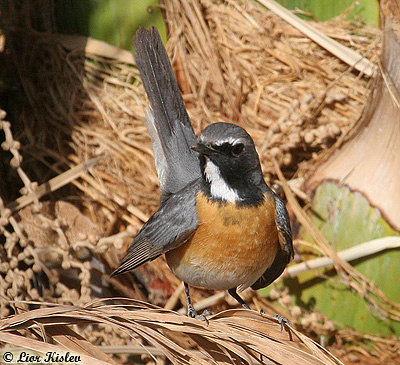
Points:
(233, 336)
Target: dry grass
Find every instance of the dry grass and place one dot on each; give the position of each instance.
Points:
(235, 62)
(242, 63)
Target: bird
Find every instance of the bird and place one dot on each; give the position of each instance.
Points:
(219, 224)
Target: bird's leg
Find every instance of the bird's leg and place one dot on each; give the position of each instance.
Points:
(191, 311)
(235, 295)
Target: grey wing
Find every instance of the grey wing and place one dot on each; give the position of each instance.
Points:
(169, 227)
(285, 247)
(168, 122)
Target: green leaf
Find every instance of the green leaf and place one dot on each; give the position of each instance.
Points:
(367, 11)
(346, 219)
(113, 21)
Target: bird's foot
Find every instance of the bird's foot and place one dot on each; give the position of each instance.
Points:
(282, 320)
(193, 314)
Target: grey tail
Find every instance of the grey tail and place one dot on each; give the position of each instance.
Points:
(170, 127)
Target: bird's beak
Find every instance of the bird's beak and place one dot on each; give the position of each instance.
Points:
(202, 149)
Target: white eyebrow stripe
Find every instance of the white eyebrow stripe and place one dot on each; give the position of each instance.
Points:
(230, 140)
(218, 186)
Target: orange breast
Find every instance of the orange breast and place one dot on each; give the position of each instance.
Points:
(232, 246)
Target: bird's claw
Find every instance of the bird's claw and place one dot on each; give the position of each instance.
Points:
(282, 321)
(193, 314)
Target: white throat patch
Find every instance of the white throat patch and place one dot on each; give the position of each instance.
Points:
(219, 188)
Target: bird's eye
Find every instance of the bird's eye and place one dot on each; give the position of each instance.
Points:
(237, 149)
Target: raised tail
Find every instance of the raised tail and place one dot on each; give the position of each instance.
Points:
(168, 122)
